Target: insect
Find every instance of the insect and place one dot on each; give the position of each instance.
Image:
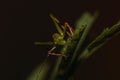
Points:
(58, 38)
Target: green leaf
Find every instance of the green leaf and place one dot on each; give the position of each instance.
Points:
(104, 37)
(87, 19)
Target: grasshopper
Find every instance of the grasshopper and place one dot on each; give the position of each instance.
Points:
(59, 37)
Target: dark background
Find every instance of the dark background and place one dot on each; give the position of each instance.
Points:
(23, 22)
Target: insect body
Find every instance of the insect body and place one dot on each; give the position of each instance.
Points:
(58, 38)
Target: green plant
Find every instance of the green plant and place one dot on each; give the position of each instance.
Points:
(65, 69)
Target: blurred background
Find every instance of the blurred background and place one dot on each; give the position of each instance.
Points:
(23, 22)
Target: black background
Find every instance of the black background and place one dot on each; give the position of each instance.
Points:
(22, 22)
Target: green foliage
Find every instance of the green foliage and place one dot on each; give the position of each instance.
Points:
(106, 35)
(65, 69)
(40, 72)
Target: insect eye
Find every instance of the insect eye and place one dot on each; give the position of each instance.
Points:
(56, 35)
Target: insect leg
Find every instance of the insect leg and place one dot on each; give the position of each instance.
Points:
(52, 49)
(70, 28)
(43, 43)
(55, 54)
(56, 22)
